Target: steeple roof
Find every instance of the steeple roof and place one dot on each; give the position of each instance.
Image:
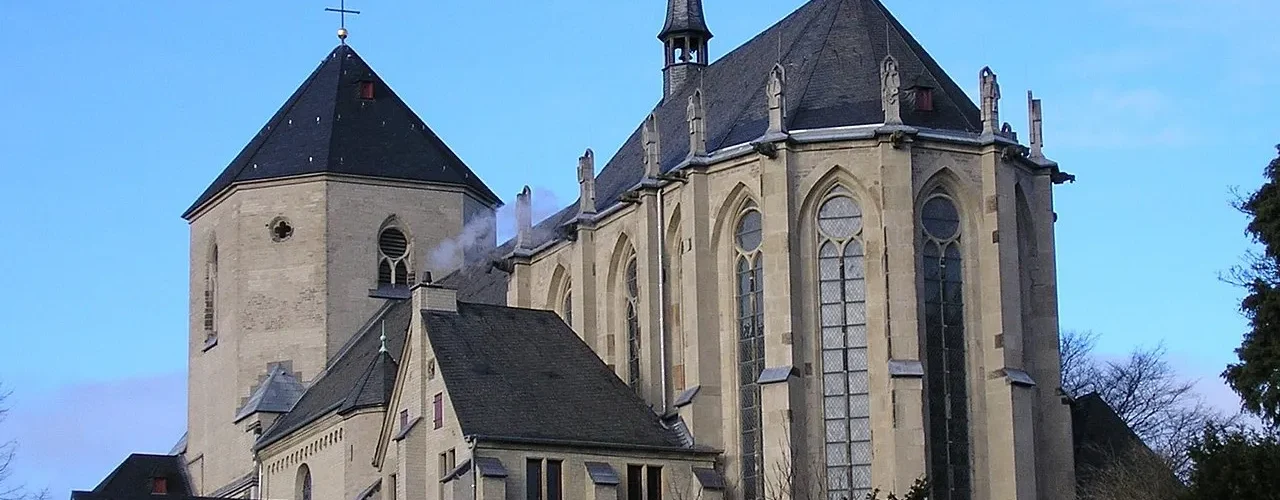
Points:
(345, 119)
(684, 16)
(831, 51)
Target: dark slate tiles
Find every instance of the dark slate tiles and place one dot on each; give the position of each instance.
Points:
(524, 374)
(327, 126)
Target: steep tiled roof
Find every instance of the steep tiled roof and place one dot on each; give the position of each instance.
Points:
(132, 479)
(327, 126)
(524, 374)
(276, 394)
(356, 377)
(831, 51)
(684, 16)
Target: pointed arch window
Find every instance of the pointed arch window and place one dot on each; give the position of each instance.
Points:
(303, 487)
(946, 392)
(211, 297)
(843, 317)
(749, 305)
(633, 323)
(566, 303)
(394, 258)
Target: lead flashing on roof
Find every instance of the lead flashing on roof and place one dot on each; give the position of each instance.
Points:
(1018, 377)
(776, 374)
(490, 467)
(686, 397)
(602, 474)
(709, 478)
(405, 431)
(906, 368)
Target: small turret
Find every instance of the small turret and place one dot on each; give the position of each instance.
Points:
(685, 38)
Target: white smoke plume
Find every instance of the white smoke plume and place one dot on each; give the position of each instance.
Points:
(482, 233)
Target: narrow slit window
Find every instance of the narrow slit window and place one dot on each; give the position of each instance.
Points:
(438, 407)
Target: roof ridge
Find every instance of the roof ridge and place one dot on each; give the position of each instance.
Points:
(930, 65)
(764, 78)
(808, 82)
(261, 137)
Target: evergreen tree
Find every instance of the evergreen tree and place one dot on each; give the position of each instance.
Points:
(1257, 376)
(1235, 463)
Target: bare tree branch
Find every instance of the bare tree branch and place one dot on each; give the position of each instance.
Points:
(1162, 408)
(8, 450)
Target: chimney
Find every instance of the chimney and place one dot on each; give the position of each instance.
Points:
(524, 218)
(587, 183)
(1037, 126)
(428, 296)
(990, 102)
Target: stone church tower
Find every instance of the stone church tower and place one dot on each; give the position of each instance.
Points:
(330, 210)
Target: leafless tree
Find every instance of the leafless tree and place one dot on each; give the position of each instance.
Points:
(1133, 473)
(1161, 407)
(8, 450)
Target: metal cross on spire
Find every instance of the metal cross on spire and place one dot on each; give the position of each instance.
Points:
(342, 13)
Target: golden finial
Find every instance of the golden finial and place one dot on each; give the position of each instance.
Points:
(342, 11)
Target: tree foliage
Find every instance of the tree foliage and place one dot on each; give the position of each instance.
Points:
(1256, 377)
(1235, 463)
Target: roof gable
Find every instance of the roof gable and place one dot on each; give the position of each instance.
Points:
(357, 377)
(327, 126)
(523, 374)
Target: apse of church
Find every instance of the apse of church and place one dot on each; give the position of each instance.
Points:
(802, 276)
(865, 304)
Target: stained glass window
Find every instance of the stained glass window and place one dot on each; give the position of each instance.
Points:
(749, 301)
(843, 318)
(946, 392)
(633, 324)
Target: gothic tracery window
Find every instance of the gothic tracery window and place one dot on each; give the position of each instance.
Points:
(633, 323)
(749, 303)
(843, 318)
(393, 258)
(946, 391)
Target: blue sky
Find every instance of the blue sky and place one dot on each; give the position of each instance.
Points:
(119, 114)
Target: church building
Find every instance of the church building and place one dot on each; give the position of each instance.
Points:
(816, 269)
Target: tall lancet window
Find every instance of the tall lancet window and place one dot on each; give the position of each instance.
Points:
(633, 324)
(393, 258)
(749, 301)
(566, 303)
(211, 296)
(843, 316)
(947, 398)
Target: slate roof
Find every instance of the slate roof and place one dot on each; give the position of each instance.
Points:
(523, 374)
(132, 479)
(1098, 435)
(356, 377)
(327, 127)
(831, 51)
(277, 393)
(684, 16)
